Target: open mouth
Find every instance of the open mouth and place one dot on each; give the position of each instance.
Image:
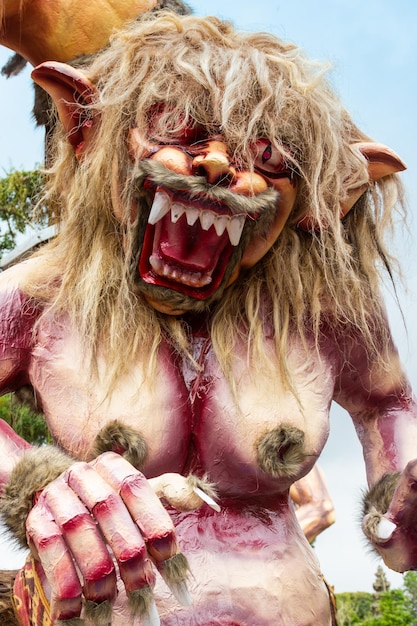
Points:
(188, 243)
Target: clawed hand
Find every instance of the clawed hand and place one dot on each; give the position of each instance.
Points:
(394, 534)
(102, 504)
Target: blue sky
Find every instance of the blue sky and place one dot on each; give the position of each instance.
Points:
(373, 49)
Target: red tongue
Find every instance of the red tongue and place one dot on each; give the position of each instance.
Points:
(188, 249)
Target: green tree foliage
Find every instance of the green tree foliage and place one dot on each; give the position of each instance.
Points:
(384, 607)
(19, 194)
(393, 610)
(354, 607)
(25, 420)
(410, 588)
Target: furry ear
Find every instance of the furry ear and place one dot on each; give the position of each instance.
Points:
(72, 92)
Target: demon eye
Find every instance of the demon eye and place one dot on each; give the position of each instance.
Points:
(268, 160)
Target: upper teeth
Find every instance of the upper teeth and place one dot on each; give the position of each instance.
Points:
(162, 205)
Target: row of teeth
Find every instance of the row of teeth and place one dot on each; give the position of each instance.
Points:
(192, 279)
(162, 205)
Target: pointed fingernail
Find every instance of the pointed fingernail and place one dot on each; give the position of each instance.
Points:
(151, 618)
(207, 499)
(180, 591)
(385, 528)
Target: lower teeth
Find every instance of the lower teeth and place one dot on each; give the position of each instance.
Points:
(192, 279)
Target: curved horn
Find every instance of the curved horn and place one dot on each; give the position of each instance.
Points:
(61, 30)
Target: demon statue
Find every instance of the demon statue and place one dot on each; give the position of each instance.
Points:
(213, 287)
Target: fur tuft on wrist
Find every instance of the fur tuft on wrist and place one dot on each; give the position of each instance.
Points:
(36, 469)
(380, 495)
(376, 502)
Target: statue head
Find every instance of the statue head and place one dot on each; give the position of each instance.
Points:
(207, 143)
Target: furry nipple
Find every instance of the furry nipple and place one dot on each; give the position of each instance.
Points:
(117, 437)
(280, 452)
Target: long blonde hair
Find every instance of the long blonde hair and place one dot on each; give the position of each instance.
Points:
(249, 85)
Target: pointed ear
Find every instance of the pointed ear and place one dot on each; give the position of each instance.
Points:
(72, 92)
(382, 161)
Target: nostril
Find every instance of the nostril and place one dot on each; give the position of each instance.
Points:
(213, 163)
(199, 170)
(223, 176)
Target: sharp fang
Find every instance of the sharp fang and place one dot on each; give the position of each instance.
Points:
(220, 224)
(191, 215)
(235, 228)
(162, 204)
(176, 211)
(160, 207)
(207, 218)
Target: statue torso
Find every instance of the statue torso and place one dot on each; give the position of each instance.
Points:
(188, 415)
(191, 421)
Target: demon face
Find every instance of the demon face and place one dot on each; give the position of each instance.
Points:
(205, 212)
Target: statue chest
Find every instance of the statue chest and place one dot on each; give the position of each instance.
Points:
(243, 428)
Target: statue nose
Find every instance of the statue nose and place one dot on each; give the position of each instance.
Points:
(214, 163)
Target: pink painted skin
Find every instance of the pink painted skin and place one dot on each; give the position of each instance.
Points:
(47, 542)
(105, 504)
(91, 555)
(11, 449)
(153, 521)
(200, 406)
(250, 562)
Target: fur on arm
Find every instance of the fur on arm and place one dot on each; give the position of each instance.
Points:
(376, 502)
(39, 466)
(36, 469)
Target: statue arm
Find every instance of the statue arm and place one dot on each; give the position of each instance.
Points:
(384, 411)
(16, 323)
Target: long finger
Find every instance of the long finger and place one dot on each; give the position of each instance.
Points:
(84, 540)
(120, 532)
(45, 535)
(152, 519)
